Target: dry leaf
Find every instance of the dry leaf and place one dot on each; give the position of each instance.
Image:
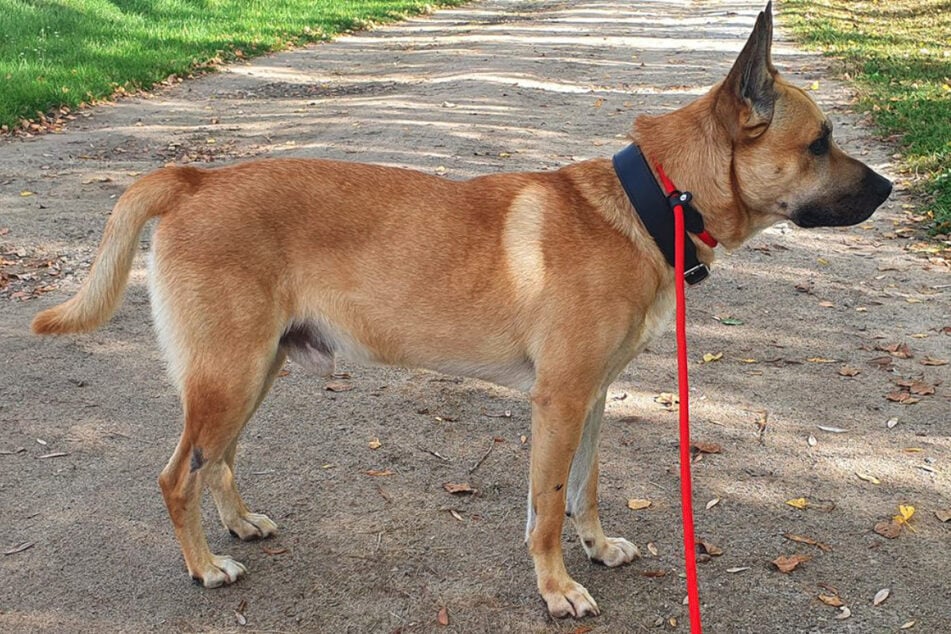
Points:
(880, 596)
(19, 548)
(898, 350)
(802, 539)
(737, 569)
(442, 617)
(847, 370)
(888, 529)
(55, 454)
(892, 422)
(832, 430)
(710, 357)
(788, 563)
(933, 361)
(868, 478)
(908, 625)
(667, 399)
(637, 504)
(811, 441)
(374, 443)
(844, 613)
(943, 514)
(582, 629)
(653, 574)
(831, 599)
(280, 550)
(652, 548)
(706, 548)
(456, 515)
(712, 503)
(921, 388)
(820, 360)
(461, 488)
(799, 503)
(338, 386)
(379, 472)
(706, 447)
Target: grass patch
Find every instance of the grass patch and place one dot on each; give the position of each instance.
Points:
(56, 53)
(899, 54)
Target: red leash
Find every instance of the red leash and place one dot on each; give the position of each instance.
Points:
(686, 495)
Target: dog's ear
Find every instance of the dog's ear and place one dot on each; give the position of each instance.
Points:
(750, 82)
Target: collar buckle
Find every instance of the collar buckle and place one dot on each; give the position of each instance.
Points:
(697, 274)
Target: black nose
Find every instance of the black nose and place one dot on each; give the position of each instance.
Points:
(878, 187)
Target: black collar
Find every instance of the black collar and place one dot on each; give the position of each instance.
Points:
(655, 210)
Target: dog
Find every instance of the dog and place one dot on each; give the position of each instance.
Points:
(548, 283)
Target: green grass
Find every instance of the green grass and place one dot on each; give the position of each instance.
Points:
(56, 53)
(899, 54)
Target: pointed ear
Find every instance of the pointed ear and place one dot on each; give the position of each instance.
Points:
(750, 81)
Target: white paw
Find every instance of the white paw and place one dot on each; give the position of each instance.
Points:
(222, 571)
(253, 526)
(615, 551)
(570, 599)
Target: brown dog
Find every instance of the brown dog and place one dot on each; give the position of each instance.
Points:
(544, 282)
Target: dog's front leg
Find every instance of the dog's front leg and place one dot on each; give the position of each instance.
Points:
(582, 499)
(558, 417)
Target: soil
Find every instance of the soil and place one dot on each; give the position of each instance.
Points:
(833, 322)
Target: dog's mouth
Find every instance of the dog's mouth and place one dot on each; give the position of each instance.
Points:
(848, 209)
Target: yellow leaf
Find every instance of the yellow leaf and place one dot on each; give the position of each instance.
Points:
(26, 193)
(868, 478)
(906, 511)
(799, 503)
(710, 357)
(599, 102)
(821, 261)
(637, 504)
(375, 443)
(814, 86)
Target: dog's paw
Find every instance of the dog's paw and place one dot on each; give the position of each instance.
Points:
(220, 571)
(570, 599)
(615, 551)
(252, 526)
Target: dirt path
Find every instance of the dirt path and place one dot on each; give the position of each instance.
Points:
(489, 87)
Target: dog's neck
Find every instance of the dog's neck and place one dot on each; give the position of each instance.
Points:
(696, 150)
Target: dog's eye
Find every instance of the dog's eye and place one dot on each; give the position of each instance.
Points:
(820, 146)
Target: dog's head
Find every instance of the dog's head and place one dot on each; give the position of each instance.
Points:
(775, 146)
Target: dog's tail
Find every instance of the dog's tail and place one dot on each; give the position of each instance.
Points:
(101, 292)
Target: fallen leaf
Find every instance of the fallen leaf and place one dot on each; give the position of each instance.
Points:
(55, 454)
(799, 503)
(706, 447)
(811, 441)
(814, 86)
(442, 617)
(888, 529)
(599, 102)
(239, 613)
(667, 399)
(379, 472)
(906, 511)
(523, 439)
(898, 350)
(849, 371)
(637, 504)
(712, 503)
(338, 386)
(653, 574)
(280, 550)
(788, 563)
(831, 599)
(582, 629)
(908, 625)
(710, 357)
(943, 514)
(26, 193)
(456, 515)
(461, 488)
(933, 361)
(832, 430)
(802, 539)
(868, 478)
(921, 388)
(19, 548)
(652, 548)
(912, 449)
(374, 443)
(737, 569)
(729, 321)
(706, 548)
(844, 613)
(880, 596)
(820, 360)
(891, 422)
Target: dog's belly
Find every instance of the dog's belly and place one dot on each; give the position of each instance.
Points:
(315, 343)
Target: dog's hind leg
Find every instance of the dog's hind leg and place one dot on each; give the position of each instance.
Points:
(582, 498)
(219, 394)
(234, 513)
